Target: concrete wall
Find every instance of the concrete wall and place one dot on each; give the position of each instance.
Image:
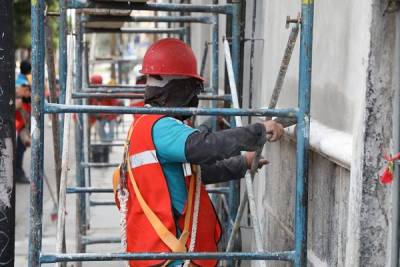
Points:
(328, 204)
(341, 43)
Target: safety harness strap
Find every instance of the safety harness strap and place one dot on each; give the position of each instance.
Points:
(162, 231)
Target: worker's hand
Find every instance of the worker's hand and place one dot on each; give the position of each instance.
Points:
(27, 142)
(249, 159)
(274, 130)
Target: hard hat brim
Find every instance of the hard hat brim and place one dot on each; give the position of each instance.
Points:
(174, 74)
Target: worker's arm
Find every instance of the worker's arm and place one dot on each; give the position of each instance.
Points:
(209, 148)
(224, 170)
(176, 142)
(229, 169)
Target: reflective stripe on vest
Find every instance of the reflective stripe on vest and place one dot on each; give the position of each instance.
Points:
(143, 158)
(187, 169)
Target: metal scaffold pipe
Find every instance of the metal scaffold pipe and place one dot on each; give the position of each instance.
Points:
(79, 190)
(57, 108)
(303, 132)
(278, 256)
(134, 30)
(113, 89)
(89, 240)
(80, 201)
(118, 89)
(141, 96)
(37, 124)
(284, 66)
(99, 164)
(99, 16)
(122, 86)
(110, 7)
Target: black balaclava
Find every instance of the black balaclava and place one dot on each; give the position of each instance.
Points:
(176, 93)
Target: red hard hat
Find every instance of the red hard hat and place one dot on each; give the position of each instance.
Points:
(96, 79)
(170, 57)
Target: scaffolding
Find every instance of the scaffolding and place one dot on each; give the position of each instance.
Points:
(118, 11)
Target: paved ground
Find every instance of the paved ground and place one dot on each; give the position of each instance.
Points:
(104, 220)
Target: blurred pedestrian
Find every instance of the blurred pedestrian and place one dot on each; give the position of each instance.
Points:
(22, 118)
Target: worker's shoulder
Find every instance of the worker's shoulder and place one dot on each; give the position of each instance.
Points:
(170, 122)
(168, 128)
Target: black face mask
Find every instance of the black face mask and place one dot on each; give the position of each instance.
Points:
(177, 93)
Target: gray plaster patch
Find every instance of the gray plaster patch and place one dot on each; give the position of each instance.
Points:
(6, 172)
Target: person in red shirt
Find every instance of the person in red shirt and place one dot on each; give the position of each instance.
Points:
(22, 118)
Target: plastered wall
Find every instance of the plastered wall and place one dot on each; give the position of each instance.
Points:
(340, 53)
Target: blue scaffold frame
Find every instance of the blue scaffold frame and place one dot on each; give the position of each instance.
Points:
(90, 91)
(298, 255)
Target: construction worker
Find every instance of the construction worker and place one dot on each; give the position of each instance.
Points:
(22, 118)
(168, 208)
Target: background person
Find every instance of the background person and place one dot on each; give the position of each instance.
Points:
(22, 118)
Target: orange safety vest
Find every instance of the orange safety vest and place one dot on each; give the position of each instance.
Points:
(150, 222)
